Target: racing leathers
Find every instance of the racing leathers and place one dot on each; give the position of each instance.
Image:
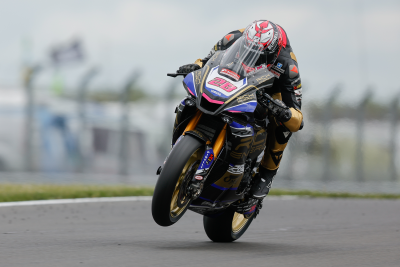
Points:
(286, 90)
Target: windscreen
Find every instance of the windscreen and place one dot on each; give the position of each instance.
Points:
(240, 59)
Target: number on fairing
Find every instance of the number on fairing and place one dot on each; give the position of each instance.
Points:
(223, 84)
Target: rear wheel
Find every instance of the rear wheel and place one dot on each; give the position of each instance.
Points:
(171, 198)
(226, 227)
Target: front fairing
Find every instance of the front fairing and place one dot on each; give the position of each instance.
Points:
(216, 93)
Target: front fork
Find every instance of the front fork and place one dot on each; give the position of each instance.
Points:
(208, 157)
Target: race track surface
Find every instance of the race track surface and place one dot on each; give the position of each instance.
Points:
(302, 232)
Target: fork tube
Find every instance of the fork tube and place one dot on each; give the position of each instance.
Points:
(219, 143)
(193, 122)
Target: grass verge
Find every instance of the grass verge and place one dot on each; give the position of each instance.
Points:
(308, 193)
(24, 192)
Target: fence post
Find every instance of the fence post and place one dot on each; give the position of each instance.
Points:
(360, 123)
(124, 156)
(81, 110)
(393, 134)
(29, 75)
(327, 121)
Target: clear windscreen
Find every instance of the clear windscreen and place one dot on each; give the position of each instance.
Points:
(240, 59)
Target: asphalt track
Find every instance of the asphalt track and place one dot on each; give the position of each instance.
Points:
(300, 232)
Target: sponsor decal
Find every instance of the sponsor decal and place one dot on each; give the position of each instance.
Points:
(236, 169)
(223, 84)
(231, 74)
(281, 71)
(210, 158)
(264, 78)
(215, 56)
(197, 77)
(228, 37)
(276, 157)
(257, 69)
(293, 56)
(293, 71)
(206, 161)
(198, 177)
(216, 92)
(246, 98)
(276, 74)
(279, 65)
(295, 81)
(230, 179)
(273, 41)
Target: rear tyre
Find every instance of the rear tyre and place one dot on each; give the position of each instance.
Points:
(227, 227)
(170, 199)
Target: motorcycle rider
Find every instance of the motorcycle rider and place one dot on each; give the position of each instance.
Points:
(284, 115)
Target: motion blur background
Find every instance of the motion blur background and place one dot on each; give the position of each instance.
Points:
(84, 96)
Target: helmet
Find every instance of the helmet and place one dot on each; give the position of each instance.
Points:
(267, 35)
(260, 43)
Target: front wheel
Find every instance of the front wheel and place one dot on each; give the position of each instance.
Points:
(170, 199)
(226, 227)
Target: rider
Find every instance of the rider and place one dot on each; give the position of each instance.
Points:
(285, 118)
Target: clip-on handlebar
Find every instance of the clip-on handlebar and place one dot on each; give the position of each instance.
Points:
(177, 74)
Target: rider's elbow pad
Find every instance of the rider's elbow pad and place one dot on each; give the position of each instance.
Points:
(294, 123)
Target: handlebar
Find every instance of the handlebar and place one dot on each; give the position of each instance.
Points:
(177, 74)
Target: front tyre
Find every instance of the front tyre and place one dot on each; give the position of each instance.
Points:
(170, 200)
(226, 227)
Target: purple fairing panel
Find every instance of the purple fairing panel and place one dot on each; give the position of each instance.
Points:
(189, 81)
(245, 107)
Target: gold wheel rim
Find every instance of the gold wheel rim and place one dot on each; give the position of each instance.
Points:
(175, 210)
(238, 222)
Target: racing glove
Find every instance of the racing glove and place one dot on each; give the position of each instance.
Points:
(275, 107)
(188, 68)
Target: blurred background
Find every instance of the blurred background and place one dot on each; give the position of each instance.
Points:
(84, 96)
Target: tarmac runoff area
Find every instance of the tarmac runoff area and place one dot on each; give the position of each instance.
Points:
(289, 231)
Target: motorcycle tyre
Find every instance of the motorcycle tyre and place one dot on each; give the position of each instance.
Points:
(219, 229)
(165, 186)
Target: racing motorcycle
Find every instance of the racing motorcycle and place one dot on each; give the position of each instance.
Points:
(223, 101)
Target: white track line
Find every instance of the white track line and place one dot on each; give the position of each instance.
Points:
(105, 199)
(74, 200)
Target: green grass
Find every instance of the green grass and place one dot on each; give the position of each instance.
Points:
(308, 193)
(23, 192)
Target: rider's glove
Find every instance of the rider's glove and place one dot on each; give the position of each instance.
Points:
(275, 107)
(188, 68)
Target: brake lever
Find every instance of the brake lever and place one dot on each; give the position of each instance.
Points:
(177, 74)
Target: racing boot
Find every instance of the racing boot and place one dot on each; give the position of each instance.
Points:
(262, 183)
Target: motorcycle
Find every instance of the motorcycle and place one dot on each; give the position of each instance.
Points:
(223, 105)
